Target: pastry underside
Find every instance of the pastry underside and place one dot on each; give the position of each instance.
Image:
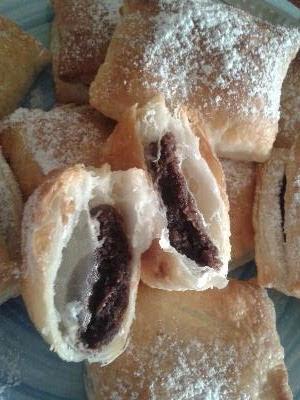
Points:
(218, 344)
(191, 249)
(35, 142)
(10, 233)
(81, 32)
(225, 65)
(22, 58)
(276, 221)
(83, 234)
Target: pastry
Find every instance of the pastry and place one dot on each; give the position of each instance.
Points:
(276, 221)
(289, 124)
(10, 232)
(83, 235)
(192, 249)
(226, 66)
(22, 58)
(240, 183)
(81, 33)
(218, 344)
(36, 142)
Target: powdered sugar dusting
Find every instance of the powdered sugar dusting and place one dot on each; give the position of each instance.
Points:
(238, 175)
(61, 137)
(289, 124)
(85, 28)
(213, 54)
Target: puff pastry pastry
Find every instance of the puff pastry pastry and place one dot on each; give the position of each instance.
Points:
(240, 184)
(10, 232)
(289, 124)
(224, 64)
(276, 221)
(81, 33)
(83, 235)
(209, 345)
(22, 58)
(192, 249)
(35, 142)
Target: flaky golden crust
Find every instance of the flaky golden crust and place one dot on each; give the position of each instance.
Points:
(198, 345)
(166, 48)
(22, 58)
(276, 221)
(10, 232)
(240, 182)
(59, 232)
(80, 36)
(126, 147)
(65, 92)
(36, 141)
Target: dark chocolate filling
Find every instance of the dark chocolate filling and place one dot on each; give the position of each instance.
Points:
(186, 230)
(110, 289)
(282, 208)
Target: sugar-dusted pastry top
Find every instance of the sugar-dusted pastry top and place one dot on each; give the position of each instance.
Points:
(289, 124)
(84, 29)
(60, 137)
(22, 58)
(217, 60)
(218, 344)
(240, 183)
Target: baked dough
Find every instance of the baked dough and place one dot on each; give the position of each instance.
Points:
(83, 235)
(35, 142)
(81, 33)
(289, 124)
(219, 344)
(10, 232)
(192, 248)
(226, 66)
(240, 183)
(22, 58)
(276, 221)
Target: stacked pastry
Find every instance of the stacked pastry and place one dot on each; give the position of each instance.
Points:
(144, 196)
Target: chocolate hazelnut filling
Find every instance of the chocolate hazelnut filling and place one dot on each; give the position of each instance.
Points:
(186, 229)
(110, 289)
(281, 202)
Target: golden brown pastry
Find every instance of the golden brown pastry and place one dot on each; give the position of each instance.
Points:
(218, 344)
(240, 184)
(22, 58)
(289, 124)
(192, 247)
(276, 221)
(81, 33)
(11, 207)
(83, 235)
(226, 66)
(35, 142)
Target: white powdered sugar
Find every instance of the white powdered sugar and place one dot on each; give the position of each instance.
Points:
(238, 175)
(61, 137)
(207, 49)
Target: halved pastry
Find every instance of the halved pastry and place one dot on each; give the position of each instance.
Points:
(35, 142)
(240, 185)
(277, 221)
(225, 65)
(22, 58)
(219, 345)
(83, 235)
(192, 249)
(11, 207)
(289, 124)
(81, 33)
